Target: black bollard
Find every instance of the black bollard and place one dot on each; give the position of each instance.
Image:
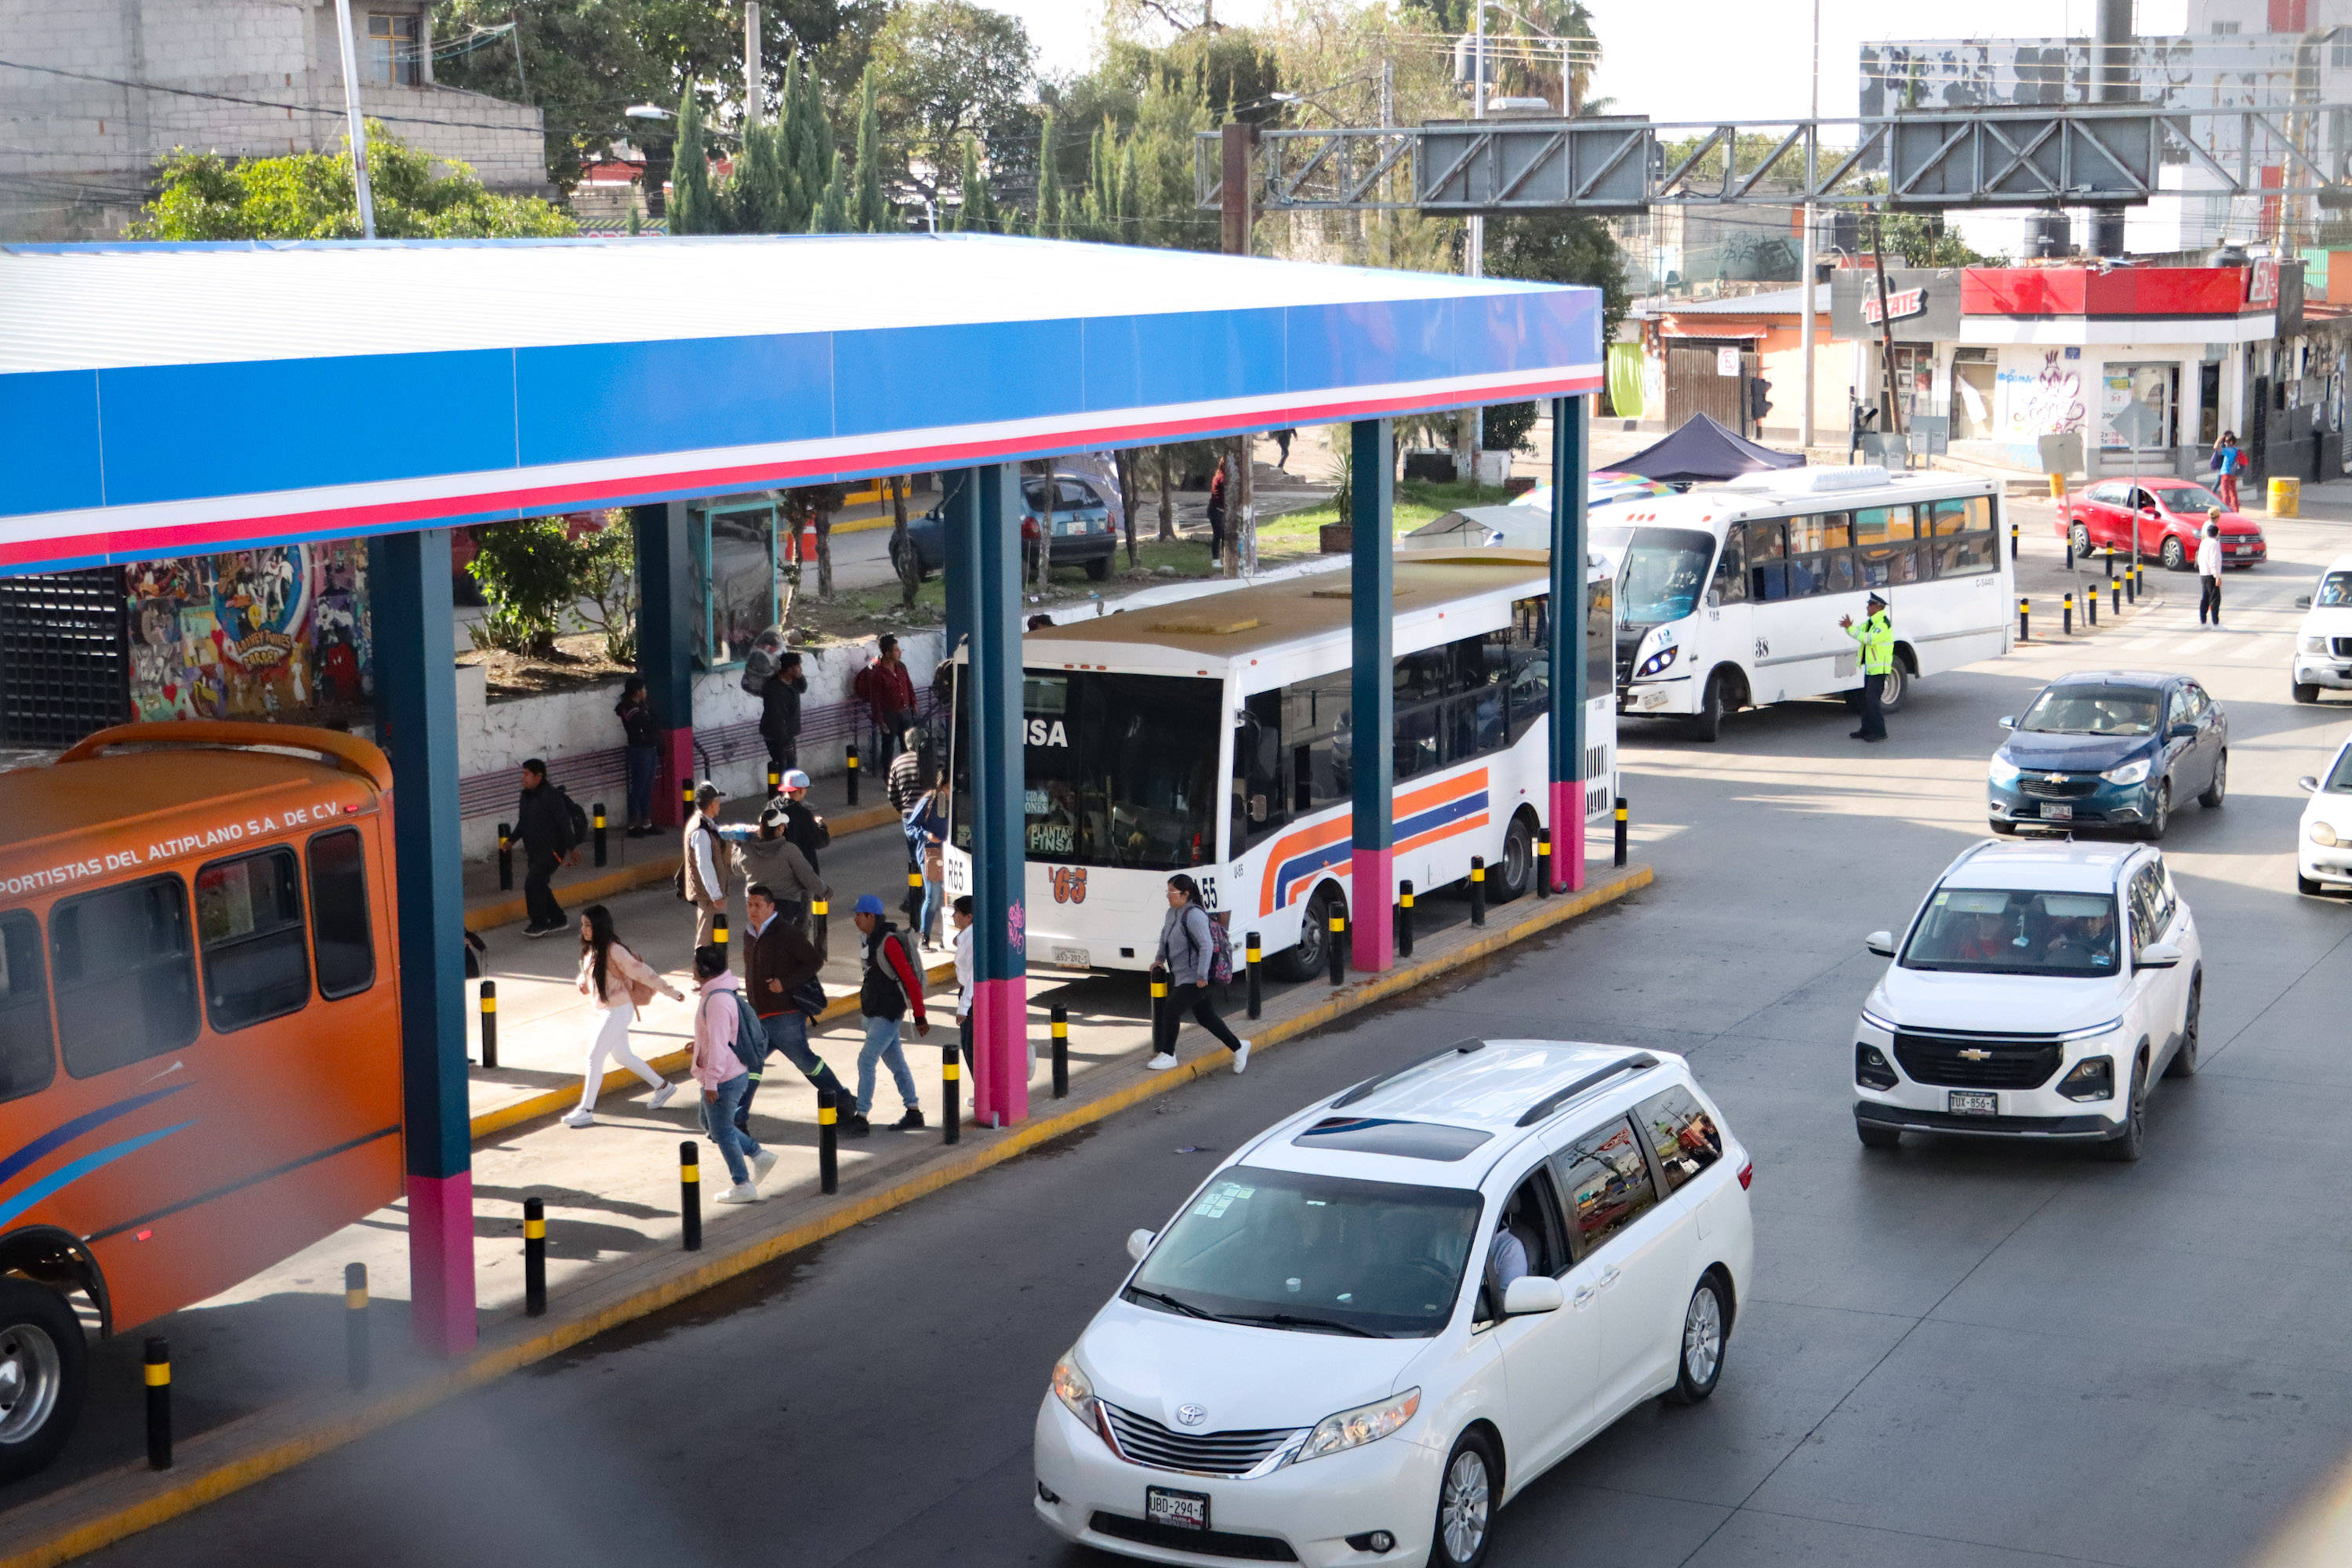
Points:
(2091, 607)
(1620, 830)
(818, 912)
(2070, 550)
(2066, 621)
(686, 799)
(2131, 585)
(718, 935)
(597, 820)
(2024, 619)
(690, 1196)
(1543, 862)
(159, 1405)
(2115, 590)
(853, 774)
(2012, 538)
(1250, 959)
(505, 857)
(828, 1141)
(1404, 919)
(1338, 945)
(951, 1094)
(775, 781)
(489, 1024)
(355, 1323)
(1159, 1010)
(534, 1258)
(1477, 889)
(915, 899)
(1061, 1027)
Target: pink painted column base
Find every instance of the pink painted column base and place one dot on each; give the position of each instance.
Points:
(1000, 1050)
(1372, 909)
(441, 1263)
(1568, 835)
(676, 772)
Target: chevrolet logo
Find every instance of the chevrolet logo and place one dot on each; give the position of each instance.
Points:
(2053, 778)
(1976, 1054)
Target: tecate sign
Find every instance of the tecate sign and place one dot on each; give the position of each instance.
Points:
(1901, 303)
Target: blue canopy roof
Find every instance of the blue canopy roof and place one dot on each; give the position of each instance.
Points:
(162, 399)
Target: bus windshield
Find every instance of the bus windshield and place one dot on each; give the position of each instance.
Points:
(1665, 570)
(1118, 770)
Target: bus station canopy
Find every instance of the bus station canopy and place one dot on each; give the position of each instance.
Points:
(168, 399)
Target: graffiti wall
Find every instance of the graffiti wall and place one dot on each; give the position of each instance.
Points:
(276, 633)
(2039, 392)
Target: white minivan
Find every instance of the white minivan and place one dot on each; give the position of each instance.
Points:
(1385, 1316)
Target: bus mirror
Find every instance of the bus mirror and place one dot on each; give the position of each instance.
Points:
(2010, 723)
(1713, 599)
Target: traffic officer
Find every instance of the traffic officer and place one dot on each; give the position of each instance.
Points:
(1877, 635)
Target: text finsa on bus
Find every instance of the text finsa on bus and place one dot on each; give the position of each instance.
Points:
(226, 833)
(1047, 733)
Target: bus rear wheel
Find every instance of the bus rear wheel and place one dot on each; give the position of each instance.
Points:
(1515, 874)
(43, 1367)
(1306, 959)
(1897, 684)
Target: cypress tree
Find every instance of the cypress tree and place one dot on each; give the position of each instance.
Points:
(811, 148)
(832, 210)
(969, 219)
(1130, 224)
(1051, 222)
(794, 198)
(873, 214)
(693, 206)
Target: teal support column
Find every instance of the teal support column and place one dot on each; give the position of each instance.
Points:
(666, 625)
(1570, 426)
(960, 526)
(417, 714)
(991, 592)
(1372, 582)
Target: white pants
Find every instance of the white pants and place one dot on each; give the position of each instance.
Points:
(611, 1040)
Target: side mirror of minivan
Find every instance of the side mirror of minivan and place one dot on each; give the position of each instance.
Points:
(2304, 602)
(2010, 723)
(1532, 1293)
(2308, 784)
(2159, 955)
(1881, 942)
(1138, 1242)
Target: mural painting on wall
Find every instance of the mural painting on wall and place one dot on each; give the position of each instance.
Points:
(2043, 402)
(276, 633)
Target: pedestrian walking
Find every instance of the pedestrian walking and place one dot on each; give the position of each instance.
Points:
(961, 917)
(802, 825)
(551, 829)
(1186, 955)
(888, 689)
(701, 879)
(1217, 513)
(617, 983)
(1877, 635)
(2209, 571)
(721, 1065)
(780, 714)
(905, 782)
(765, 858)
(892, 984)
(641, 747)
(1282, 440)
(2229, 460)
(779, 975)
(927, 840)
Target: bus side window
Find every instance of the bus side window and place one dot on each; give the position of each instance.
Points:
(343, 939)
(1768, 568)
(1261, 795)
(125, 974)
(1731, 572)
(249, 922)
(1600, 643)
(29, 1056)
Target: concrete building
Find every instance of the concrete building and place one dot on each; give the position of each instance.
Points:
(1682, 344)
(96, 90)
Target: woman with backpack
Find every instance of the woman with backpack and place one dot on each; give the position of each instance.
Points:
(617, 983)
(721, 1065)
(1190, 948)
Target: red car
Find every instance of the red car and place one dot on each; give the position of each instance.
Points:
(2171, 515)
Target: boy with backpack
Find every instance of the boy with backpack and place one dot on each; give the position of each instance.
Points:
(727, 1050)
(892, 983)
(551, 827)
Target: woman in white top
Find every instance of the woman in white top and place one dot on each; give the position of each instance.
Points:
(615, 981)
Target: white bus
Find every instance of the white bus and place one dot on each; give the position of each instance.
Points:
(1212, 737)
(1729, 596)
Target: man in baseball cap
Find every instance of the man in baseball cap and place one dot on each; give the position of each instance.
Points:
(892, 982)
(1877, 635)
(802, 825)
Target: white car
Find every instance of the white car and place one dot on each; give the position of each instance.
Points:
(2323, 839)
(2041, 990)
(1384, 1317)
(2322, 644)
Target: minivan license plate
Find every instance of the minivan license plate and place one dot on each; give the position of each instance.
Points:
(1184, 1510)
(1965, 1102)
(2051, 811)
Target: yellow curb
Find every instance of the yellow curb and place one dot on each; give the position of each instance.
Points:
(487, 1364)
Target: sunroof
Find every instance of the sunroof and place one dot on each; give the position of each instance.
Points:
(1383, 1135)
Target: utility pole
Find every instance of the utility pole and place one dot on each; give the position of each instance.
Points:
(1467, 427)
(358, 120)
(1811, 250)
(1894, 403)
(1237, 211)
(753, 92)
(2111, 83)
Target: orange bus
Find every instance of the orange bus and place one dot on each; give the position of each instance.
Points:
(199, 1032)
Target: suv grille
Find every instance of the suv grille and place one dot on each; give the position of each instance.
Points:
(2010, 1062)
(2343, 646)
(2072, 787)
(1146, 1442)
(1202, 1542)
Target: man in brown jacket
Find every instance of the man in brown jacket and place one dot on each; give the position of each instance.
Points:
(777, 958)
(705, 880)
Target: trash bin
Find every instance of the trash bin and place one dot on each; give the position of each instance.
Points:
(2058, 487)
(2286, 498)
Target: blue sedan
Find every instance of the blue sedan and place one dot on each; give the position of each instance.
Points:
(1082, 533)
(2110, 749)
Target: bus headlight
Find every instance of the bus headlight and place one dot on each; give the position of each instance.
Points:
(1656, 662)
(2002, 771)
(2129, 773)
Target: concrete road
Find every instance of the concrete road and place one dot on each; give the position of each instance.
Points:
(1964, 1355)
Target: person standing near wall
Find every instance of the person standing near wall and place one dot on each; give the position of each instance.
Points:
(701, 881)
(780, 714)
(617, 983)
(543, 822)
(888, 689)
(640, 738)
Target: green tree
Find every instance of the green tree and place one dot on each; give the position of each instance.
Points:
(872, 213)
(947, 69)
(694, 206)
(1052, 223)
(832, 210)
(1560, 248)
(310, 195)
(528, 573)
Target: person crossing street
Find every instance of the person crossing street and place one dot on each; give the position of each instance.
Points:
(2209, 571)
(1877, 638)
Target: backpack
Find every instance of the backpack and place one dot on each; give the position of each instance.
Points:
(1220, 952)
(807, 997)
(751, 1038)
(576, 818)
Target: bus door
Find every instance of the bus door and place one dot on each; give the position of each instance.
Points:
(1728, 619)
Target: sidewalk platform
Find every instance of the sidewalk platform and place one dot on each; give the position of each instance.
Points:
(261, 1369)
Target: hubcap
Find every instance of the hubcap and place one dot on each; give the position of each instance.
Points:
(2189, 1030)
(1702, 1337)
(30, 1372)
(1516, 857)
(2220, 778)
(1891, 690)
(1461, 1510)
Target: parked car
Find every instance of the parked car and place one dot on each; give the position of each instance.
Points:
(2322, 644)
(2323, 839)
(2115, 748)
(2171, 519)
(1083, 533)
(2041, 990)
(1329, 1353)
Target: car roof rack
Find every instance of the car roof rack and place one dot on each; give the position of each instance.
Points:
(1639, 1061)
(1459, 1047)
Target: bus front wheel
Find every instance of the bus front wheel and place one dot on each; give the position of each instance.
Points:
(42, 1372)
(1706, 724)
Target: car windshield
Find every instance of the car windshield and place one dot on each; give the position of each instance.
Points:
(1070, 495)
(1993, 931)
(2187, 498)
(1665, 570)
(2094, 711)
(1314, 1254)
(2334, 591)
(2340, 781)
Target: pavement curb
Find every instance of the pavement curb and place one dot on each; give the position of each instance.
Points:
(81, 1519)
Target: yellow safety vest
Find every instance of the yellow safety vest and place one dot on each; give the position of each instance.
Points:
(1877, 635)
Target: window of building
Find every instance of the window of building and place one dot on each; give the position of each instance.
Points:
(249, 921)
(125, 974)
(2339, 54)
(342, 937)
(393, 56)
(27, 1055)
(2225, 29)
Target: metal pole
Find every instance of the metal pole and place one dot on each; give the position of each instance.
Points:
(358, 120)
(751, 104)
(1812, 247)
(1893, 404)
(355, 1323)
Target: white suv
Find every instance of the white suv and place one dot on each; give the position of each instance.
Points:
(2322, 643)
(2040, 988)
(2323, 839)
(1385, 1316)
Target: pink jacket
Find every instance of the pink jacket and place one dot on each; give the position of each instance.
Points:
(623, 971)
(715, 1016)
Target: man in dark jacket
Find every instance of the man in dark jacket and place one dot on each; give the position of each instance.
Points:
(780, 714)
(544, 823)
(803, 829)
(777, 957)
